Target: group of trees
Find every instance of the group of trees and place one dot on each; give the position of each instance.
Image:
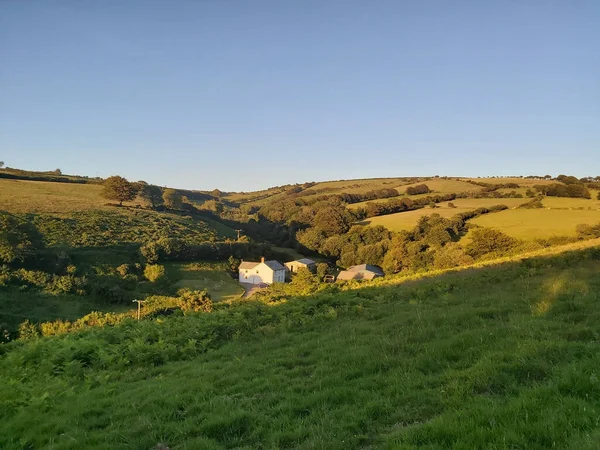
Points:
(575, 190)
(431, 244)
(120, 189)
(418, 189)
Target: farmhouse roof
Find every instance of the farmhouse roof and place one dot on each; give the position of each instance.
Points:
(274, 265)
(248, 265)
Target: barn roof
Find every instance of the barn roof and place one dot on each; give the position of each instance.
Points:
(305, 261)
(366, 267)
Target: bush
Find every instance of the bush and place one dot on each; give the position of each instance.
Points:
(487, 240)
(585, 231)
(418, 189)
(196, 301)
(154, 272)
(451, 255)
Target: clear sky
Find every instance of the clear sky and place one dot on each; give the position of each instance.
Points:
(242, 95)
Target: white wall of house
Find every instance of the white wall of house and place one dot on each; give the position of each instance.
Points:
(261, 273)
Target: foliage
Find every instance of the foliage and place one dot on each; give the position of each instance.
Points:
(195, 301)
(19, 239)
(487, 240)
(585, 231)
(154, 272)
(119, 189)
(172, 199)
(152, 194)
(418, 189)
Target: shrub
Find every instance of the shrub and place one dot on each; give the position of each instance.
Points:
(585, 231)
(488, 240)
(28, 330)
(123, 270)
(154, 272)
(451, 205)
(196, 301)
(418, 189)
(451, 255)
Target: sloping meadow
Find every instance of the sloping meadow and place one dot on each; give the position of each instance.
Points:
(501, 357)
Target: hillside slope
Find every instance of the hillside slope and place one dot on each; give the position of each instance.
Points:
(501, 357)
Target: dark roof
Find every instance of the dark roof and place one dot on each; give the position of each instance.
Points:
(304, 261)
(274, 265)
(366, 267)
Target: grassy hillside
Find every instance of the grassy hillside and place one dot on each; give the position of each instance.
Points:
(20, 196)
(505, 357)
(407, 220)
(538, 223)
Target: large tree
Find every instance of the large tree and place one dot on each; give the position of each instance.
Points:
(152, 194)
(119, 189)
(172, 199)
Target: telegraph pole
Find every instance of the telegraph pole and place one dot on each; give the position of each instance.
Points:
(139, 302)
(238, 232)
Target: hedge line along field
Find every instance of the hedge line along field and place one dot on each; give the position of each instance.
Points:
(408, 219)
(530, 224)
(506, 357)
(443, 186)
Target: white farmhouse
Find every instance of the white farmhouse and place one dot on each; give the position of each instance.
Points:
(268, 272)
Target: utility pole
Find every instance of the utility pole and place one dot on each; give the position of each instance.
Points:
(238, 232)
(139, 302)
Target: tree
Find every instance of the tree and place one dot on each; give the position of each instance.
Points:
(152, 194)
(418, 189)
(57, 172)
(333, 220)
(172, 199)
(598, 196)
(1, 164)
(488, 240)
(119, 189)
(322, 270)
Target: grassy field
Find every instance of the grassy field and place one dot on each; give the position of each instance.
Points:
(19, 196)
(572, 203)
(531, 224)
(204, 275)
(503, 358)
(407, 220)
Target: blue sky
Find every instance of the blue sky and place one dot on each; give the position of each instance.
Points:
(242, 95)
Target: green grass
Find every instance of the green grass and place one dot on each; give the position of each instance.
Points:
(408, 219)
(505, 357)
(529, 224)
(205, 275)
